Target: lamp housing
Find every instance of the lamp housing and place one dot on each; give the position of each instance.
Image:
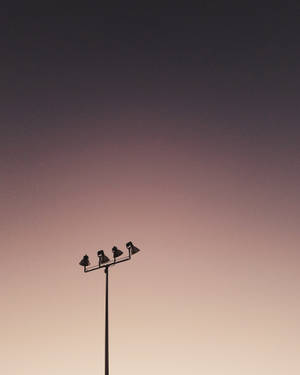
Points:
(85, 261)
(116, 252)
(102, 257)
(132, 249)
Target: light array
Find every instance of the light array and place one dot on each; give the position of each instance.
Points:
(105, 261)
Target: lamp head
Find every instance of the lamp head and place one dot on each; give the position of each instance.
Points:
(132, 249)
(116, 252)
(102, 257)
(85, 261)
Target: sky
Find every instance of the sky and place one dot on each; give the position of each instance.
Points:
(176, 128)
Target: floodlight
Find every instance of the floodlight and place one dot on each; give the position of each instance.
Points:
(116, 252)
(102, 257)
(105, 263)
(85, 261)
(133, 250)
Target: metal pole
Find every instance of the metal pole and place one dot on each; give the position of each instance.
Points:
(106, 325)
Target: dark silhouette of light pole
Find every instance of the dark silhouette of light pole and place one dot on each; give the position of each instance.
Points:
(105, 262)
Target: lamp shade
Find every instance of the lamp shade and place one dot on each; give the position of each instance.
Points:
(116, 252)
(102, 257)
(85, 261)
(133, 249)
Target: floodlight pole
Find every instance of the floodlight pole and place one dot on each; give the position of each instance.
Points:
(106, 324)
(105, 263)
(106, 267)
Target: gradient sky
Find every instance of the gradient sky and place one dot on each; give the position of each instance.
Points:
(177, 129)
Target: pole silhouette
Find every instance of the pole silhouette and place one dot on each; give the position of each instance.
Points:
(106, 324)
(105, 262)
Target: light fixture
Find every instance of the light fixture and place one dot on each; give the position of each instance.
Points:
(102, 257)
(85, 261)
(105, 263)
(116, 252)
(132, 249)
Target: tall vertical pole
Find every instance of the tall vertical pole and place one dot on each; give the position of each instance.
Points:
(106, 325)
